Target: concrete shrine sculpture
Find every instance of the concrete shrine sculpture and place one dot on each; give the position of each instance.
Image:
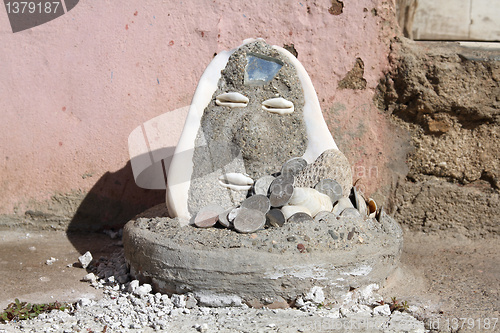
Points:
(255, 156)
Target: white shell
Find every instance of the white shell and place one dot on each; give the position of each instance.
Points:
(341, 205)
(232, 99)
(290, 210)
(372, 208)
(310, 198)
(360, 202)
(236, 181)
(278, 105)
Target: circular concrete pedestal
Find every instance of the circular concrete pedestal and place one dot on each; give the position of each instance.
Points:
(222, 267)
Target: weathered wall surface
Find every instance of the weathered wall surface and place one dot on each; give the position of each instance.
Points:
(448, 97)
(72, 90)
(457, 20)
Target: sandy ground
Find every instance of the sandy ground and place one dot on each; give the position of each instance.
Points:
(448, 277)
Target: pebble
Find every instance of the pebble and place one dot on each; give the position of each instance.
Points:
(133, 285)
(50, 261)
(191, 301)
(350, 235)
(300, 217)
(85, 259)
(179, 301)
(258, 202)
(261, 185)
(275, 218)
(84, 302)
(90, 277)
(201, 328)
(143, 290)
(299, 302)
(223, 218)
(331, 188)
(382, 310)
(315, 295)
(249, 220)
(301, 247)
(281, 190)
(324, 217)
(333, 234)
(350, 212)
(293, 166)
(208, 216)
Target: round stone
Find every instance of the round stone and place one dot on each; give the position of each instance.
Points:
(331, 188)
(258, 202)
(324, 217)
(275, 218)
(293, 166)
(249, 220)
(300, 217)
(208, 216)
(281, 190)
(261, 185)
(350, 212)
(223, 218)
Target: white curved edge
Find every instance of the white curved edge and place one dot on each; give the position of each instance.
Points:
(181, 167)
(319, 137)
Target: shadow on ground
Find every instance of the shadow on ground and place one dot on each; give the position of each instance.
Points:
(110, 204)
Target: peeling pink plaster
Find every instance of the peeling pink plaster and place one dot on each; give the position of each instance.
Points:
(72, 90)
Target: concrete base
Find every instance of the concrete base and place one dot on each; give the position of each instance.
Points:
(222, 267)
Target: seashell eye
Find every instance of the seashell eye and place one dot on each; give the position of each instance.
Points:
(278, 105)
(232, 100)
(236, 181)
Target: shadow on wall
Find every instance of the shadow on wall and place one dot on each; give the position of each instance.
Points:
(111, 203)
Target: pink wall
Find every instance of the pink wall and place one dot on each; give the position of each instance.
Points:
(73, 89)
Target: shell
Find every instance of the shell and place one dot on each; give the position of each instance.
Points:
(341, 205)
(278, 105)
(232, 100)
(381, 214)
(290, 210)
(310, 198)
(372, 208)
(360, 202)
(236, 181)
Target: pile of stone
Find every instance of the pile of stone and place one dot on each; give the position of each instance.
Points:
(298, 193)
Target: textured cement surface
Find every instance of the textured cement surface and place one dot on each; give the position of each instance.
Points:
(338, 255)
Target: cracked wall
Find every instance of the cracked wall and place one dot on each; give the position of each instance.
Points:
(448, 98)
